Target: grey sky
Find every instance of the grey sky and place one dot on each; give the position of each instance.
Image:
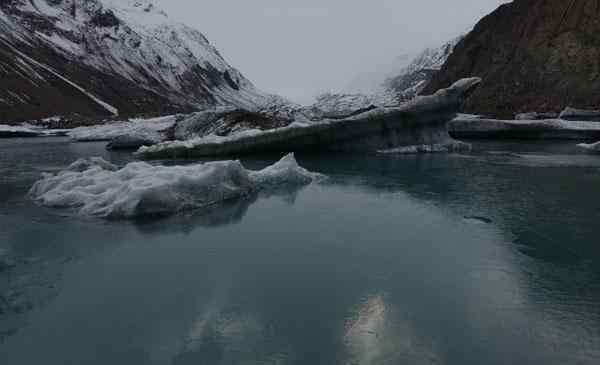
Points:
(302, 48)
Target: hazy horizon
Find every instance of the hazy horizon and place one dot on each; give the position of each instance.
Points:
(300, 50)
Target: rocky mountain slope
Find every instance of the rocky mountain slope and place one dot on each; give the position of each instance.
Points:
(108, 57)
(412, 79)
(533, 55)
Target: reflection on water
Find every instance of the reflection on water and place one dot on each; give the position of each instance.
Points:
(394, 260)
(224, 214)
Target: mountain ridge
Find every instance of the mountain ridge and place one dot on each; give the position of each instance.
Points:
(103, 57)
(533, 55)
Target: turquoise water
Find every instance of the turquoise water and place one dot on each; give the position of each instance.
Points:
(486, 258)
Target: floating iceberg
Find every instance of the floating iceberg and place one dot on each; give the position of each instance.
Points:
(422, 121)
(143, 129)
(594, 147)
(98, 188)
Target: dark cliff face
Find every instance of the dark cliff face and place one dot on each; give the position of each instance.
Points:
(533, 55)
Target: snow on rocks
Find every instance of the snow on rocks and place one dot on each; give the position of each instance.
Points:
(96, 187)
(150, 130)
(412, 79)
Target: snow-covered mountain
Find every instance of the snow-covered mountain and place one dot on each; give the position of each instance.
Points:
(387, 87)
(371, 81)
(92, 57)
(414, 77)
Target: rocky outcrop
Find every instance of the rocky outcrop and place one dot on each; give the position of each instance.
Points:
(108, 57)
(468, 127)
(538, 55)
(419, 122)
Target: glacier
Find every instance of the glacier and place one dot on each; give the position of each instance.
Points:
(422, 121)
(95, 187)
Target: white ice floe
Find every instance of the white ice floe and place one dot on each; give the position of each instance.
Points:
(98, 188)
(148, 129)
(28, 130)
(412, 79)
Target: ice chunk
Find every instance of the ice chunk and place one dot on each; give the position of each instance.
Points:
(98, 188)
(594, 147)
(147, 129)
(580, 114)
(285, 172)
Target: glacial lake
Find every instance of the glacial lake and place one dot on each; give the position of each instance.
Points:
(491, 257)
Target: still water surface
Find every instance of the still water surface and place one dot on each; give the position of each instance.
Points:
(486, 258)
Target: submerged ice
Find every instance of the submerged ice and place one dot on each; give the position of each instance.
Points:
(98, 188)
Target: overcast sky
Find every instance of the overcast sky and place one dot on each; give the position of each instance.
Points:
(301, 48)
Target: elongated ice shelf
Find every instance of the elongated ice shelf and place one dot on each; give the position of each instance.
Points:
(98, 188)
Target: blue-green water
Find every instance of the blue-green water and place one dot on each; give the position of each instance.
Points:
(378, 265)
